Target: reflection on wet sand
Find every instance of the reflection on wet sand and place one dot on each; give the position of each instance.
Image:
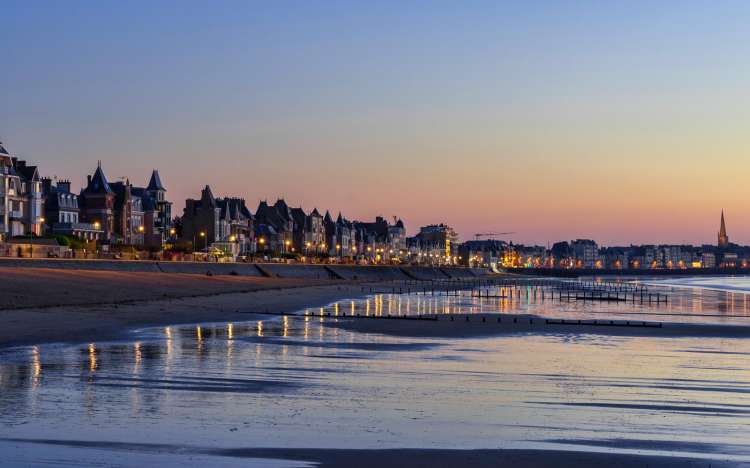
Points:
(294, 380)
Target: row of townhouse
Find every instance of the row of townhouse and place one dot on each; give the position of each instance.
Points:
(226, 224)
(111, 213)
(586, 254)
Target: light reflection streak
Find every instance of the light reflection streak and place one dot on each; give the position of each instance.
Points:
(93, 364)
(36, 367)
(230, 345)
(137, 356)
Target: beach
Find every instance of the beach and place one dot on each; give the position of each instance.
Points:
(196, 370)
(48, 305)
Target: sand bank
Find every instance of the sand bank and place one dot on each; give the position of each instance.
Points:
(44, 305)
(471, 325)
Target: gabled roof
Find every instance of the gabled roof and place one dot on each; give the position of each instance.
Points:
(3, 151)
(208, 197)
(98, 183)
(283, 209)
(28, 172)
(300, 218)
(315, 212)
(155, 182)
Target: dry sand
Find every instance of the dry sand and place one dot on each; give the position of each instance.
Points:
(42, 305)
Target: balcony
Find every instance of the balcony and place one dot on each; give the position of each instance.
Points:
(70, 227)
(14, 214)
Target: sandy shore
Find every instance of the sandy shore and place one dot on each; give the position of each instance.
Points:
(48, 305)
(43, 305)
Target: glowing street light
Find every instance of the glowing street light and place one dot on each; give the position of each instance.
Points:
(31, 238)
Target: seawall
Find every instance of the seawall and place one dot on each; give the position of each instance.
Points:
(277, 270)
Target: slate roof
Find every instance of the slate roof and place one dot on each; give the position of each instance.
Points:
(98, 183)
(155, 182)
(28, 172)
(208, 196)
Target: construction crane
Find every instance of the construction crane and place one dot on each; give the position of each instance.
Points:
(481, 235)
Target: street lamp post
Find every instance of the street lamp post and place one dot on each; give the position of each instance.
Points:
(31, 238)
(97, 225)
(141, 230)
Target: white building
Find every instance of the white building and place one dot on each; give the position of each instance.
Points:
(21, 200)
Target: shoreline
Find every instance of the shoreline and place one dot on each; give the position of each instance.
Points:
(80, 306)
(111, 321)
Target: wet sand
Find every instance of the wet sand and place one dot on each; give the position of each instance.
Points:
(477, 325)
(435, 458)
(44, 305)
(47, 305)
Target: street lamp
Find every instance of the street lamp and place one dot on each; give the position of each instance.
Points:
(31, 238)
(287, 243)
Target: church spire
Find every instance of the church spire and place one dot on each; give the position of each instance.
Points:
(723, 238)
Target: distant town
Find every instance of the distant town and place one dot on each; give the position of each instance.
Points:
(44, 218)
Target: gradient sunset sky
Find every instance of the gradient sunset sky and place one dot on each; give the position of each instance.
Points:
(618, 121)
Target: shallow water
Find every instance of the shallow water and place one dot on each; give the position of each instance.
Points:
(172, 395)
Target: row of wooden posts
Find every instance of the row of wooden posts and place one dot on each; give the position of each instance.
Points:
(530, 288)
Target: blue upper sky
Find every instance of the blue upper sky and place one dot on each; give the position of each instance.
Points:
(488, 115)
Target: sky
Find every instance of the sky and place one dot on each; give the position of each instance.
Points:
(624, 121)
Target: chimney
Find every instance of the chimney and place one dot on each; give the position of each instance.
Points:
(63, 185)
(46, 185)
